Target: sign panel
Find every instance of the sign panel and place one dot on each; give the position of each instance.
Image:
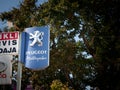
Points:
(9, 42)
(5, 69)
(35, 47)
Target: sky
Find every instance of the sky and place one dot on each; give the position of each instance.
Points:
(7, 5)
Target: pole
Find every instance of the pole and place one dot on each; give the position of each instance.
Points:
(19, 76)
(19, 70)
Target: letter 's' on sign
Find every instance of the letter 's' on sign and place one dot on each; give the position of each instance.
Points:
(35, 47)
(9, 42)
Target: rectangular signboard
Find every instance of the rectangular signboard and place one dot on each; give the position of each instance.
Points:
(35, 47)
(5, 69)
(9, 42)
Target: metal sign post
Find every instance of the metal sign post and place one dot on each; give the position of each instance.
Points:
(19, 70)
(19, 76)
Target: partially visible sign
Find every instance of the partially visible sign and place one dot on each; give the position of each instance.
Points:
(5, 69)
(9, 42)
(35, 47)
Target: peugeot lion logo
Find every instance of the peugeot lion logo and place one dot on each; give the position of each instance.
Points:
(3, 66)
(37, 37)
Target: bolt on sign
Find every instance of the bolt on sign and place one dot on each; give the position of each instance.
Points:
(9, 42)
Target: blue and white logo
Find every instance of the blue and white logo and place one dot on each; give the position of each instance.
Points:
(37, 38)
(35, 47)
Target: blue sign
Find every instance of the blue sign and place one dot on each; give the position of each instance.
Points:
(35, 47)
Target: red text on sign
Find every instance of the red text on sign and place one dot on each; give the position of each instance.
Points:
(3, 75)
(8, 36)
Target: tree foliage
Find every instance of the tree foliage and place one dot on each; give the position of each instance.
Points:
(57, 85)
(95, 22)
